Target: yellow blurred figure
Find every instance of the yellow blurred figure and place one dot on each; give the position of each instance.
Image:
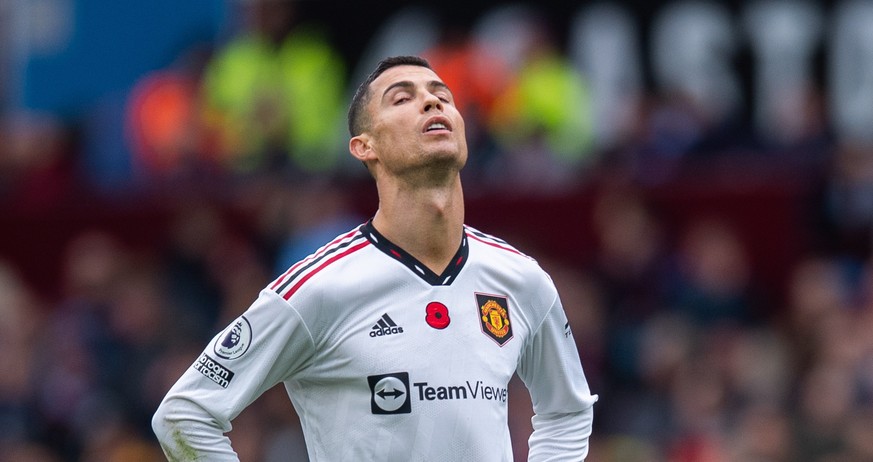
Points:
(273, 91)
(548, 99)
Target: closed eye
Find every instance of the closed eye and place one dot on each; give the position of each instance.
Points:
(443, 96)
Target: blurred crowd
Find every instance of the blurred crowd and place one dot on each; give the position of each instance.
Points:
(243, 146)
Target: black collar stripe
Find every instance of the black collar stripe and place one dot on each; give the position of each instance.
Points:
(478, 233)
(315, 261)
(404, 257)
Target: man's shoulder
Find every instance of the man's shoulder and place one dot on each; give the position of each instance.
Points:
(498, 255)
(343, 248)
(489, 241)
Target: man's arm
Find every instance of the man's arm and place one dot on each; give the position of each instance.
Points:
(263, 347)
(187, 432)
(562, 402)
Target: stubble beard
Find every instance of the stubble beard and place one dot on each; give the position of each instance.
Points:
(439, 168)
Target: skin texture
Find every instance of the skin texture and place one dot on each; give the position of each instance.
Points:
(417, 171)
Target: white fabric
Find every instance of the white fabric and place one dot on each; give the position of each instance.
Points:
(318, 342)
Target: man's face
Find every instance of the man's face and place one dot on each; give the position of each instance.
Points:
(414, 122)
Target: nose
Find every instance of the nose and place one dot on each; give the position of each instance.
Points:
(431, 101)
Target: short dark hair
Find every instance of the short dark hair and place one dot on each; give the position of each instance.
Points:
(358, 118)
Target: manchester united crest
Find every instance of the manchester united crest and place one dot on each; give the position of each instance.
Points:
(494, 317)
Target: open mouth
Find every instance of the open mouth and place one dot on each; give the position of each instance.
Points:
(437, 124)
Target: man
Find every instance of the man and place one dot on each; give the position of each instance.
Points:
(273, 93)
(397, 340)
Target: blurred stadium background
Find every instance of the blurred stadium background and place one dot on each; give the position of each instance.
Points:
(697, 176)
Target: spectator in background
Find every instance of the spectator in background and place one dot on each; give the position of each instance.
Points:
(827, 396)
(542, 121)
(36, 158)
(713, 281)
(197, 230)
(76, 370)
(629, 267)
(831, 317)
(164, 127)
(210, 266)
(273, 94)
(22, 317)
(818, 291)
(848, 197)
(312, 213)
(763, 433)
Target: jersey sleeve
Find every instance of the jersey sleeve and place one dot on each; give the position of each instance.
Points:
(562, 401)
(268, 344)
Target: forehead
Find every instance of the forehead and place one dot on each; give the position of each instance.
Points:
(403, 73)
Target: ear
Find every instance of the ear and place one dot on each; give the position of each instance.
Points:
(361, 147)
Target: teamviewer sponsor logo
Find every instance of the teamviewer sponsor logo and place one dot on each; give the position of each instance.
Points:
(469, 390)
(213, 371)
(389, 393)
(385, 326)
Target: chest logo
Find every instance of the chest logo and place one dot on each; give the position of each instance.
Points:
(385, 326)
(437, 315)
(389, 393)
(494, 317)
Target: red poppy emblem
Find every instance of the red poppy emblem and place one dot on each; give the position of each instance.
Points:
(437, 315)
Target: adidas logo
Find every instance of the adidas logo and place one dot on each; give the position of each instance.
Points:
(385, 326)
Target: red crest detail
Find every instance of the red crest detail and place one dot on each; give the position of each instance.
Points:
(494, 317)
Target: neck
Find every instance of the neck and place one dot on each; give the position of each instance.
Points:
(427, 222)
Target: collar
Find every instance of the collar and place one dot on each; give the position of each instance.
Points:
(392, 250)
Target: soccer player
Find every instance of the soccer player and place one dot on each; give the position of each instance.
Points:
(397, 340)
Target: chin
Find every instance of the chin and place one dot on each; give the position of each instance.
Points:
(449, 158)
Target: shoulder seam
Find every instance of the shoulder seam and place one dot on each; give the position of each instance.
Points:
(492, 241)
(300, 272)
(303, 323)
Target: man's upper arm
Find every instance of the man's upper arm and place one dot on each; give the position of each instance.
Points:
(562, 401)
(551, 368)
(267, 344)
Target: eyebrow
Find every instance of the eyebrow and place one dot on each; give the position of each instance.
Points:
(408, 85)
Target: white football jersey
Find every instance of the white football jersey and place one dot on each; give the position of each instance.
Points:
(384, 360)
